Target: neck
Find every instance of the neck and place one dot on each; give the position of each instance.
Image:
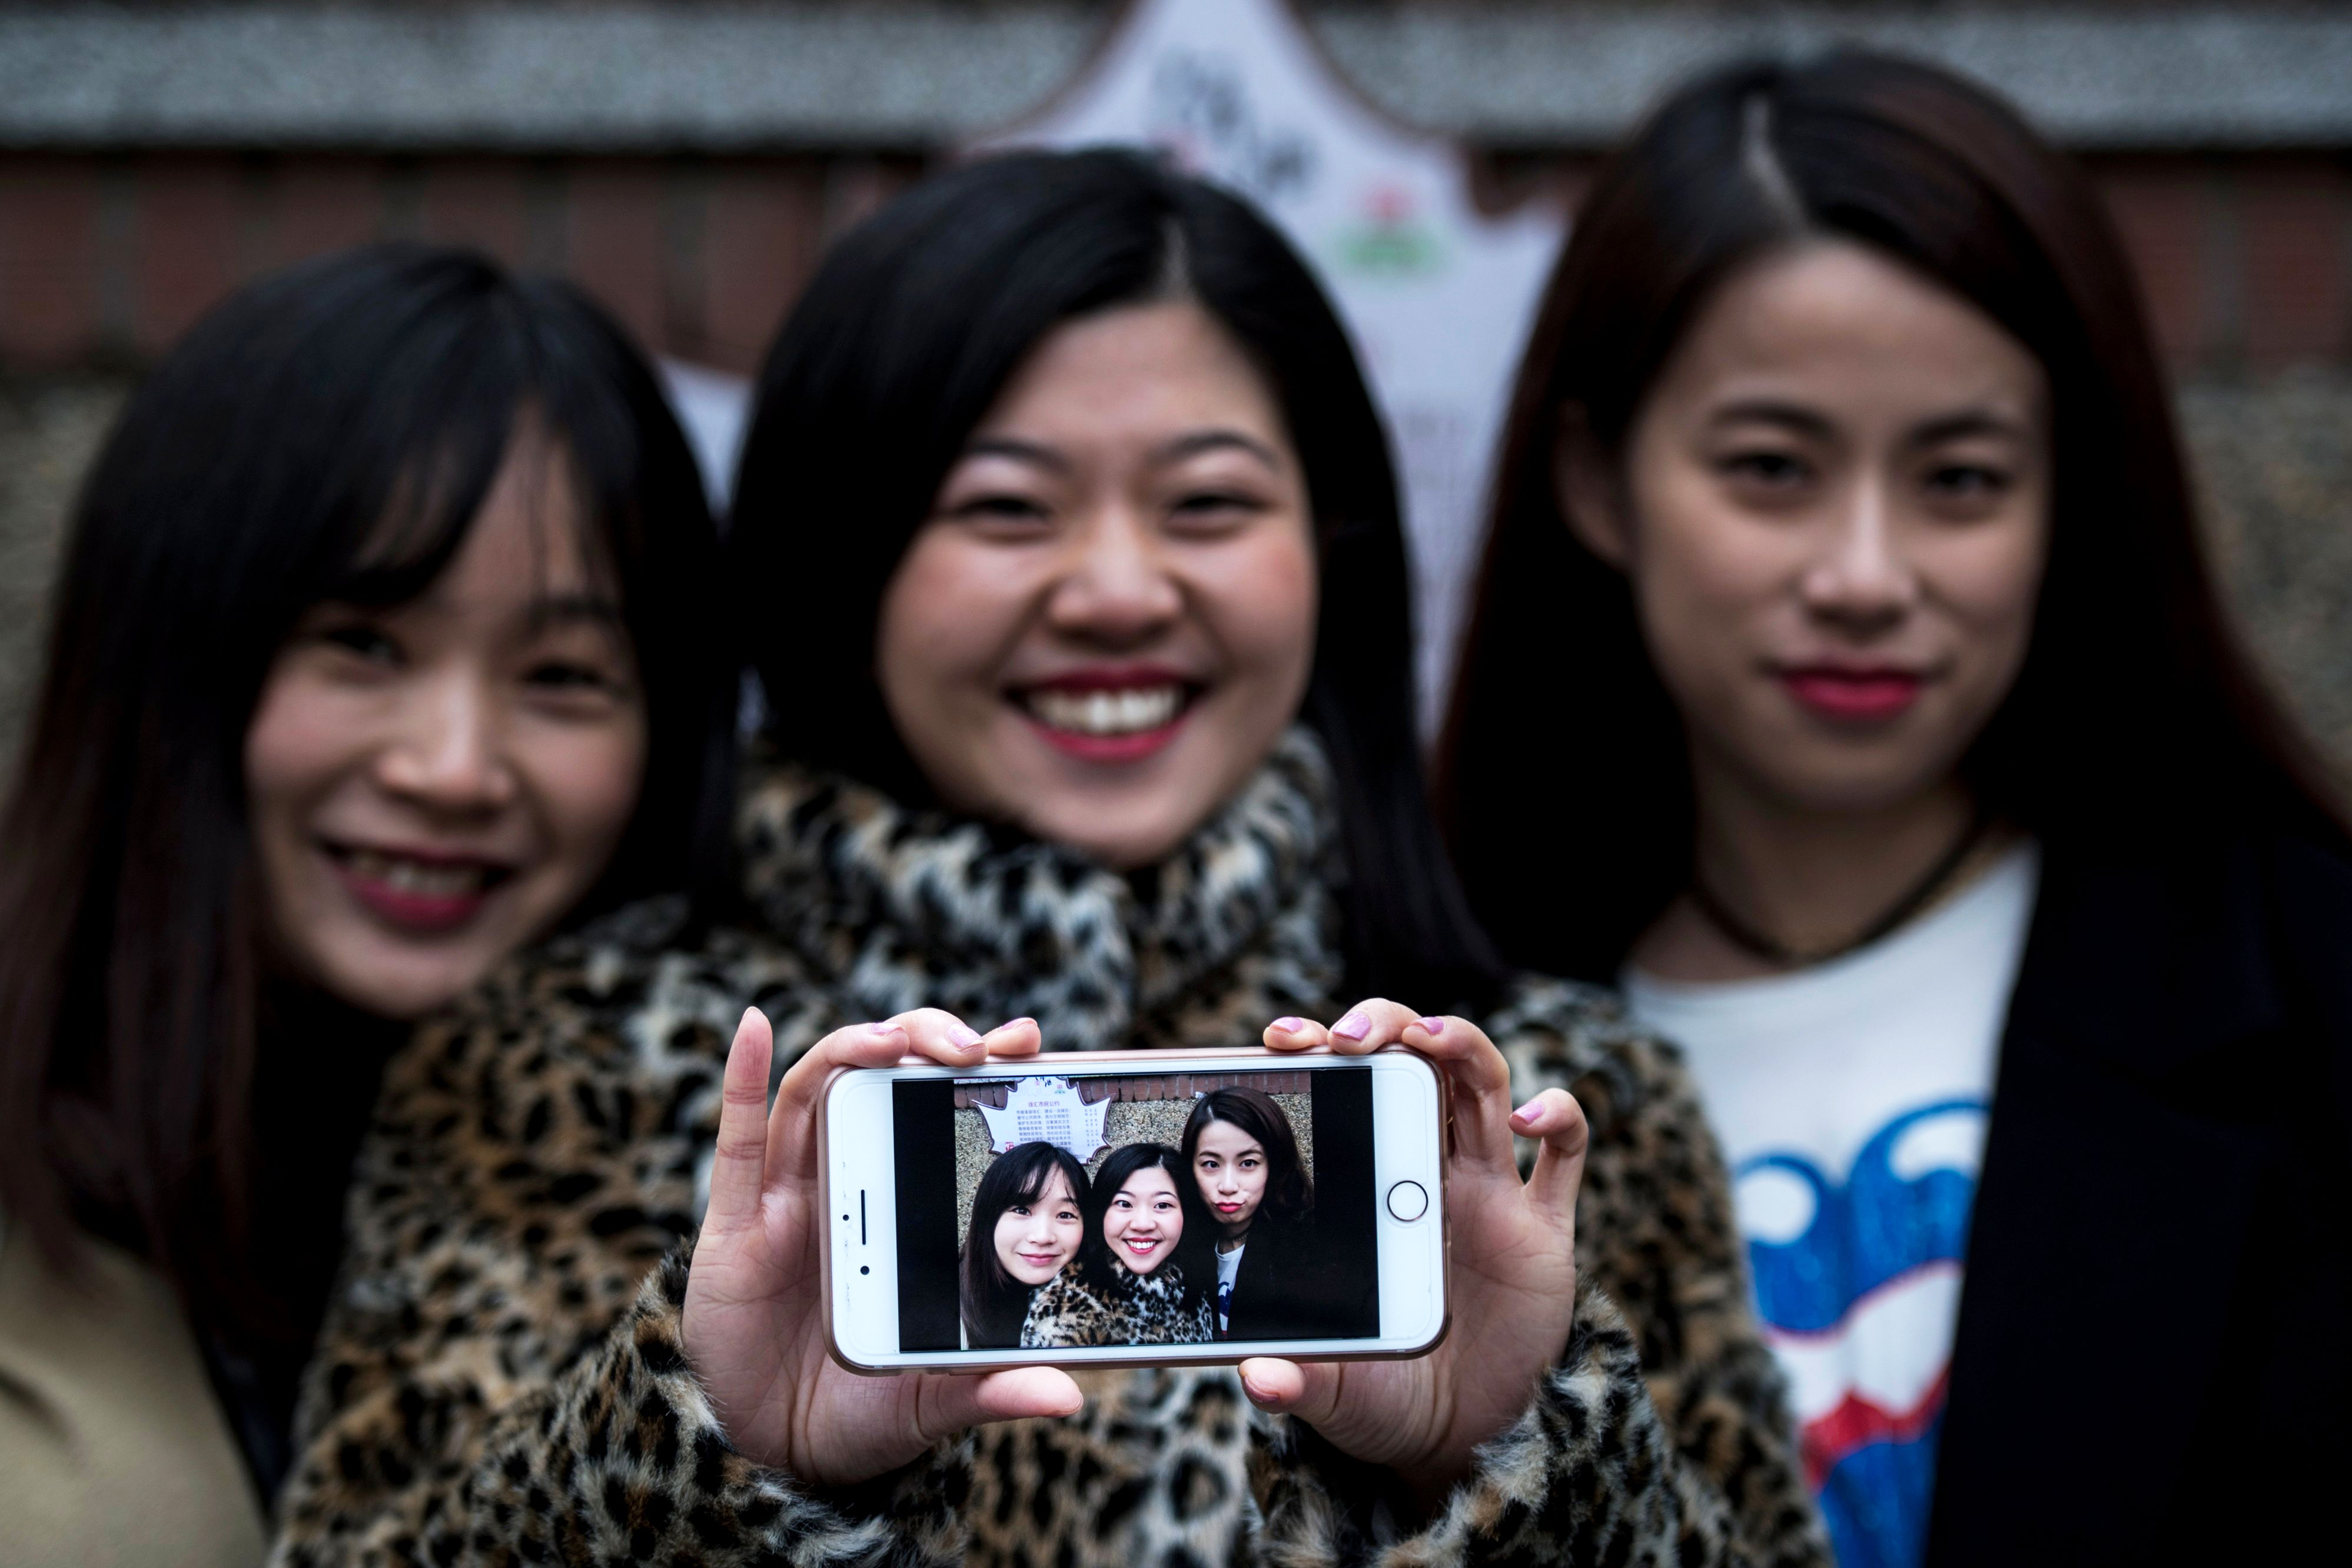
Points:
(1811, 879)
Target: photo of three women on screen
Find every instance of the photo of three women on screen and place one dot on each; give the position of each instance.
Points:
(1214, 1240)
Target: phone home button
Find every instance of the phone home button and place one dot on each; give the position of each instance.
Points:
(1408, 1201)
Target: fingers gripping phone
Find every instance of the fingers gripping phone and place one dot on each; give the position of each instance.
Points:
(1135, 1206)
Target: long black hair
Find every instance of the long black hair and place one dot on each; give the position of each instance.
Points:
(2136, 719)
(994, 1303)
(327, 432)
(1194, 1258)
(1290, 1190)
(903, 341)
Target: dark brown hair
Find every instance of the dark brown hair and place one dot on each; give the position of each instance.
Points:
(1564, 778)
(327, 432)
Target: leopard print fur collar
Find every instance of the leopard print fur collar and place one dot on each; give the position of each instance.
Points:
(1113, 1305)
(892, 907)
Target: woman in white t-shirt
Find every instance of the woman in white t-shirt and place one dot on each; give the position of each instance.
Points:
(1847, 682)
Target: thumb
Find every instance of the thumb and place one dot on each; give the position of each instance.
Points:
(1309, 1389)
(947, 1405)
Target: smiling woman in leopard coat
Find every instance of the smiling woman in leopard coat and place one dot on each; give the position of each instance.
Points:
(1165, 1228)
(1037, 757)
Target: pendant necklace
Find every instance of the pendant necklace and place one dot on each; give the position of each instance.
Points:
(1757, 944)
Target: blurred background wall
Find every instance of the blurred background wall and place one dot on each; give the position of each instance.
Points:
(688, 162)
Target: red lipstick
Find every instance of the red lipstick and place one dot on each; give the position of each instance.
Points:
(371, 876)
(1870, 696)
(1109, 713)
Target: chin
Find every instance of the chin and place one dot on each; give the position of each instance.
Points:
(1122, 840)
(388, 987)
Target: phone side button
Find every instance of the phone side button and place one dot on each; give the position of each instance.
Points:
(1408, 1201)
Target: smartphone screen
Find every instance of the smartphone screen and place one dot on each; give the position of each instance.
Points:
(1075, 1213)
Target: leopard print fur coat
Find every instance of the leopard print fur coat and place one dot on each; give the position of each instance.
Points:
(1118, 1307)
(501, 1378)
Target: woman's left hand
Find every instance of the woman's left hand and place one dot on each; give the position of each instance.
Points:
(1512, 1286)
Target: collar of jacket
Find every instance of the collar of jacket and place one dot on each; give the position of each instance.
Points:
(898, 906)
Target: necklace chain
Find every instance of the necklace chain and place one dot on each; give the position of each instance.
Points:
(1759, 944)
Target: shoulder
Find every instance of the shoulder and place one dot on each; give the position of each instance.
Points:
(641, 995)
(1581, 1037)
(568, 1100)
(1066, 1310)
(2214, 939)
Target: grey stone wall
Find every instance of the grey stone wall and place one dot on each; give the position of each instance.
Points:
(2274, 458)
(2275, 463)
(48, 432)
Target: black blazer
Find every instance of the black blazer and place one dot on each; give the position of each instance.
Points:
(1306, 1280)
(2151, 1358)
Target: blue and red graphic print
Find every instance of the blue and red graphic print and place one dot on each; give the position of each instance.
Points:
(1858, 1284)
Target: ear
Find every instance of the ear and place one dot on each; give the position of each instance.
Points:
(1590, 491)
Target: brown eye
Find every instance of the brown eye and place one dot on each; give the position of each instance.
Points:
(999, 509)
(363, 641)
(565, 675)
(1776, 470)
(1969, 481)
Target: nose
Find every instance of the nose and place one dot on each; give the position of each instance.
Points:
(1115, 588)
(448, 752)
(1860, 582)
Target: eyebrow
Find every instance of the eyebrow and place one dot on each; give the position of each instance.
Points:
(1805, 421)
(561, 609)
(1970, 422)
(1793, 416)
(1020, 451)
(1194, 442)
(1191, 443)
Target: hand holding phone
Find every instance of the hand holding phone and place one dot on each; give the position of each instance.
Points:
(754, 1316)
(1512, 1275)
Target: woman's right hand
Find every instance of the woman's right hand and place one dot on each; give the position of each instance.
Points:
(755, 1310)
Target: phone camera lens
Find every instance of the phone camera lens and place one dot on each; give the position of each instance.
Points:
(863, 1269)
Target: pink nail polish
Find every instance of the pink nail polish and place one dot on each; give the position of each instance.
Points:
(1431, 1025)
(1288, 1025)
(1354, 1027)
(962, 1035)
(1526, 1113)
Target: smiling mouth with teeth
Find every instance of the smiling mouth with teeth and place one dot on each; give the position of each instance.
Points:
(408, 891)
(1106, 711)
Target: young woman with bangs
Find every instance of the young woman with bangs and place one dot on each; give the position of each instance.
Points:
(1030, 1220)
(379, 651)
(1069, 551)
(1845, 648)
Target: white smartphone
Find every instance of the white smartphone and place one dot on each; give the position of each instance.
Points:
(1129, 1208)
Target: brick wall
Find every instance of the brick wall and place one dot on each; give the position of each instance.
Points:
(105, 259)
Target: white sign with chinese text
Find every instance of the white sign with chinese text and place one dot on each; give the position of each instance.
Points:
(1046, 1110)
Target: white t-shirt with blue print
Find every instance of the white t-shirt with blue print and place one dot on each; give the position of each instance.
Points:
(1850, 1101)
